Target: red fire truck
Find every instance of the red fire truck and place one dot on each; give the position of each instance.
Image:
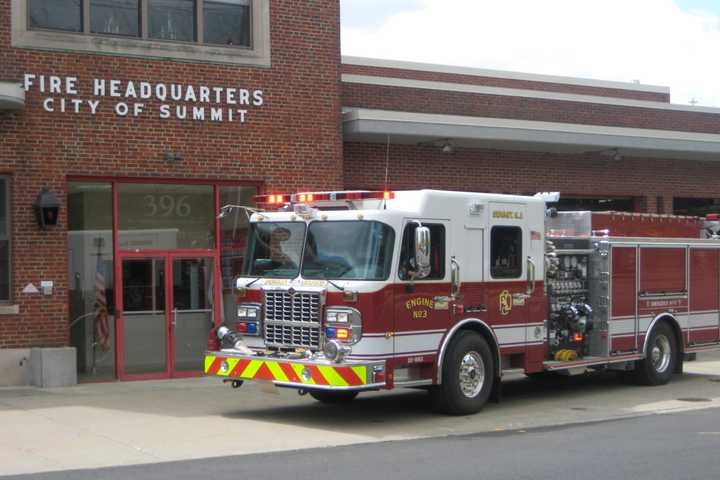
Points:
(345, 292)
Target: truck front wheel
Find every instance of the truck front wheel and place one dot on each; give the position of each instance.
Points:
(467, 378)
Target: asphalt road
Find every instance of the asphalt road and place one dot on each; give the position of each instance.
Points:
(668, 446)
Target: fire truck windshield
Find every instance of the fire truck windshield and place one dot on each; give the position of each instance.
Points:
(274, 249)
(348, 250)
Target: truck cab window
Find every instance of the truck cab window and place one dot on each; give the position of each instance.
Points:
(506, 252)
(437, 251)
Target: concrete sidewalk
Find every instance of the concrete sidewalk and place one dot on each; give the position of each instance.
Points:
(111, 424)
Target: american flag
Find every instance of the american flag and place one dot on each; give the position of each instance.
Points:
(102, 330)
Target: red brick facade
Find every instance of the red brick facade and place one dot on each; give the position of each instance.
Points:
(294, 141)
(523, 108)
(503, 82)
(653, 181)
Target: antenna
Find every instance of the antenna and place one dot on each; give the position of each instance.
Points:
(387, 162)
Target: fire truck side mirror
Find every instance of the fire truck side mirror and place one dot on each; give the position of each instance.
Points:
(422, 252)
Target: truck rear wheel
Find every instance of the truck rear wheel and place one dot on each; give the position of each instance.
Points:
(467, 378)
(661, 357)
(330, 397)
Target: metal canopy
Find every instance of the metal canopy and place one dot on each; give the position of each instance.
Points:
(12, 96)
(374, 126)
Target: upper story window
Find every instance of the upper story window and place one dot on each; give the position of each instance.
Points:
(63, 15)
(4, 239)
(115, 17)
(225, 31)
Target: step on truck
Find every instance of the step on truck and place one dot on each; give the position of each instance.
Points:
(345, 292)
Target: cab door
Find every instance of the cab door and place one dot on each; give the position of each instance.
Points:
(422, 309)
(510, 309)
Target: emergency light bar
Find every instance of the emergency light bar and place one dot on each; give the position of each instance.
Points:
(313, 197)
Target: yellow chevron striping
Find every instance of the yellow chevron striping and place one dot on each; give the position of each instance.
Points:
(361, 372)
(333, 378)
(209, 359)
(251, 369)
(276, 371)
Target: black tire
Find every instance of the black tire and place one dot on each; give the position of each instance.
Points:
(661, 357)
(330, 397)
(454, 397)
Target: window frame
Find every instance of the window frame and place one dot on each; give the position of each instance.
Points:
(519, 230)
(444, 263)
(8, 210)
(256, 54)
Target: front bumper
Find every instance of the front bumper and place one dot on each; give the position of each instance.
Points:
(296, 373)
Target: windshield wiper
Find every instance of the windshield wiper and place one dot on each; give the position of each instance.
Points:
(342, 289)
(252, 283)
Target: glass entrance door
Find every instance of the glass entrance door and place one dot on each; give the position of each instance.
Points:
(167, 312)
(144, 331)
(193, 314)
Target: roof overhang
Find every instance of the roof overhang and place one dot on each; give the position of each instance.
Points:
(12, 96)
(374, 126)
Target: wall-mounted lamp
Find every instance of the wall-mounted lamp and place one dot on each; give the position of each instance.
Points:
(46, 208)
(174, 157)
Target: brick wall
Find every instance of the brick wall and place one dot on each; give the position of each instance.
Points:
(503, 82)
(293, 142)
(496, 106)
(654, 181)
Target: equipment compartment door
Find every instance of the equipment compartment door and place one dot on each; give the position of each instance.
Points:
(623, 312)
(704, 295)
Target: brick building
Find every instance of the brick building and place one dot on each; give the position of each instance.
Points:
(143, 117)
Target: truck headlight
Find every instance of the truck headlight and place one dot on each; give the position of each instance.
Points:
(249, 319)
(343, 324)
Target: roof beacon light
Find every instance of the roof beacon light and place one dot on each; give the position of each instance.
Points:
(272, 199)
(308, 197)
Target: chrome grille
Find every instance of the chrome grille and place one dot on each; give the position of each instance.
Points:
(292, 320)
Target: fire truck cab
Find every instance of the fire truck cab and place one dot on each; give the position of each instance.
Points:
(344, 292)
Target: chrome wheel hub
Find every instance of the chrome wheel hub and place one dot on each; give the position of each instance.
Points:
(472, 374)
(660, 353)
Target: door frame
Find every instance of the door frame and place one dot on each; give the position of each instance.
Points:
(215, 252)
(169, 256)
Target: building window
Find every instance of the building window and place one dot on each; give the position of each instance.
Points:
(698, 207)
(437, 251)
(224, 31)
(227, 22)
(65, 15)
(115, 17)
(4, 239)
(91, 282)
(506, 252)
(172, 20)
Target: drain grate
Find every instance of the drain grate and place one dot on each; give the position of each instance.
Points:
(694, 399)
